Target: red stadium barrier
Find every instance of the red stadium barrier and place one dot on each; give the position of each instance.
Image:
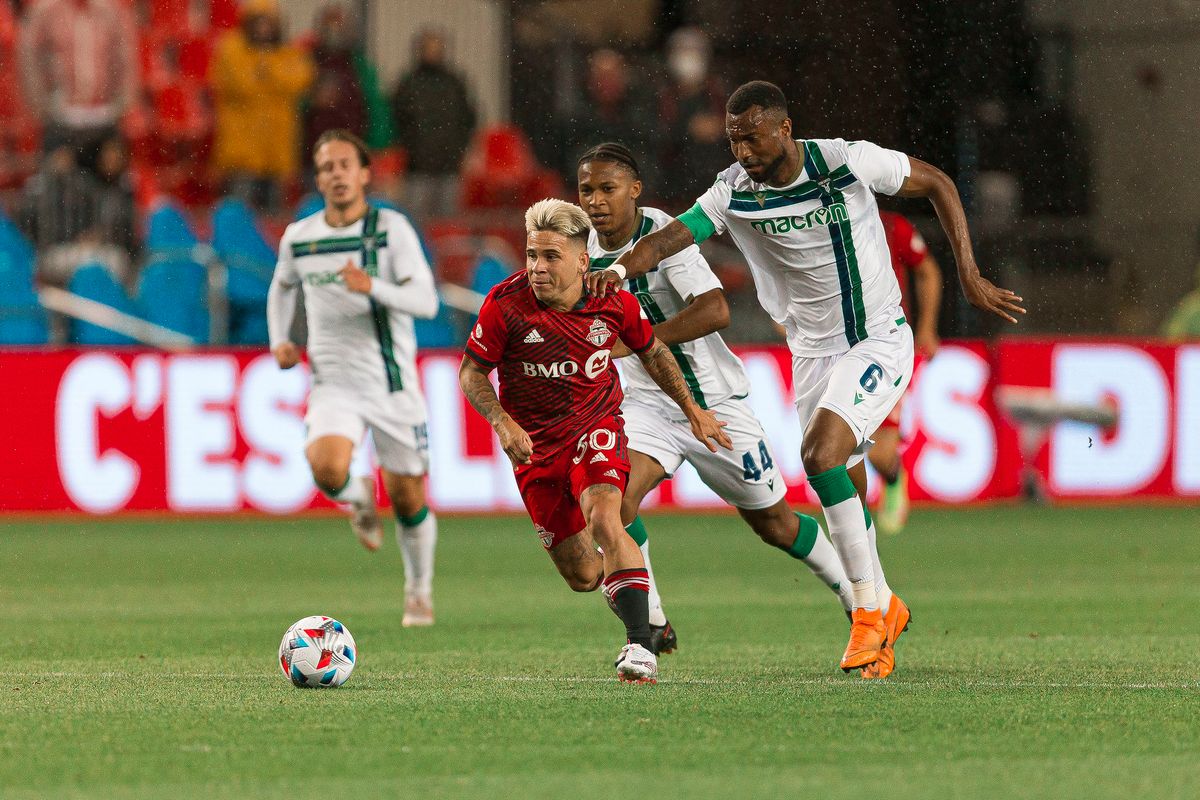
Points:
(109, 431)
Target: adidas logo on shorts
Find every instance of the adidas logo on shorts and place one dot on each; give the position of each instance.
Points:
(534, 337)
(598, 457)
(612, 473)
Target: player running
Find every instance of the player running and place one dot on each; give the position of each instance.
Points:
(803, 213)
(364, 278)
(558, 415)
(908, 252)
(684, 301)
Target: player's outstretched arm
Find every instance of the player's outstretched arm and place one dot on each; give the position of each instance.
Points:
(705, 314)
(644, 257)
(661, 366)
(930, 182)
(473, 380)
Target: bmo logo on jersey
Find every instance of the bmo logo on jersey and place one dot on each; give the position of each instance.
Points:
(595, 366)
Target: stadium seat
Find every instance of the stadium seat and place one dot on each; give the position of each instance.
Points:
(251, 261)
(500, 171)
(168, 231)
(94, 282)
(22, 320)
(488, 272)
(173, 292)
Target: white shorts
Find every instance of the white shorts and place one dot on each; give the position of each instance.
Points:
(861, 386)
(396, 422)
(745, 477)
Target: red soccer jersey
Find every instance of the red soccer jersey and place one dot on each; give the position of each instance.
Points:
(907, 248)
(556, 377)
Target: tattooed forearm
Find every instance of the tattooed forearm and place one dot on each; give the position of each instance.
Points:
(478, 389)
(652, 249)
(661, 366)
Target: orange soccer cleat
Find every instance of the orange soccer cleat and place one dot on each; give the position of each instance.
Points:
(896, 623)
(867, 635)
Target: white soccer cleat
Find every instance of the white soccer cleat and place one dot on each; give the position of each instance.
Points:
(636, 664)
(364, 518)
(418, 612)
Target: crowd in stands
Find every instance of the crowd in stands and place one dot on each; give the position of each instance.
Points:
(141, 141)
(124, 119)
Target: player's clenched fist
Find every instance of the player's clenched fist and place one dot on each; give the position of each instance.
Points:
(356, 280)
(287, 355)
(708, 429)
(515, 441)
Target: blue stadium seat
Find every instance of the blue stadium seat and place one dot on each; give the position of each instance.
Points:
(167, 230)
(173, 292)
(487, 273)
(251, 261)
(95, 282)
(22, 319)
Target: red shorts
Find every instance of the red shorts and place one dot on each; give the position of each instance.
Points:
(552, 488)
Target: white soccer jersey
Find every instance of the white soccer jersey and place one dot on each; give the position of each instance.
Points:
(363, 342)
(712, 372)
(816, 248)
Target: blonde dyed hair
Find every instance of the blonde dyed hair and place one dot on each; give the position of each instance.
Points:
(558, 216)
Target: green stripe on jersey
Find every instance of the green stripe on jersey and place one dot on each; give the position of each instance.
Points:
(641, 290)
(379, 314)
(342, 244)
(854, 314)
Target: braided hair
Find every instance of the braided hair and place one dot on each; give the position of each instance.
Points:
(615, 153)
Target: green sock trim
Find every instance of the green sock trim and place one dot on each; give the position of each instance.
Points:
(806, 538)
(866, 515)
(415, 520)
(833, 486)
(637, 531)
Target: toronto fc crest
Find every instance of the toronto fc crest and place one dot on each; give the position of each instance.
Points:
(598, 334)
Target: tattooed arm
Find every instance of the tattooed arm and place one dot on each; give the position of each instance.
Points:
(661, 366)
(474, 382)
(644, 257)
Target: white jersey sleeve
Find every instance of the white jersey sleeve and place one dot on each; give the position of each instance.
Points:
(408, 286)
(689, 273)
(879, 168)
(282, 297)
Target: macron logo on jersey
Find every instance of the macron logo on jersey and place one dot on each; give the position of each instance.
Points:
(534, 337)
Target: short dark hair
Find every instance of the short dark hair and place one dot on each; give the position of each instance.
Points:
(343, 135)
(766, 96)
(613, 152)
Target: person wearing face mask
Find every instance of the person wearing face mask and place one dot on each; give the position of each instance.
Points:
(345, 92)
(257, 82)
(692, 111)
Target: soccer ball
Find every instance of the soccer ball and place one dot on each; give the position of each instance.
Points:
(317, 652)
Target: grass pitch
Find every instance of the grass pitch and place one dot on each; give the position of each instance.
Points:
(1052, 654)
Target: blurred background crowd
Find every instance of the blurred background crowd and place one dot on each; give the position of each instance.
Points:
(152, 151)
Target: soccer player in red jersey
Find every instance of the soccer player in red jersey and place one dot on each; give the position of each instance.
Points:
(558, 415)
(909, 254)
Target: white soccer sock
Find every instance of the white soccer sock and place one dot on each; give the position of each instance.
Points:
(824, 562)
(848, 532)
(657, 615)
(882, 590)
(352, 492)
(417, 543)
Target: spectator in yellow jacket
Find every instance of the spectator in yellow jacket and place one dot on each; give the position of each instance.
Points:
(257, 83)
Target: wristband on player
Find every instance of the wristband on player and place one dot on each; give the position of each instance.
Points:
(617, 268)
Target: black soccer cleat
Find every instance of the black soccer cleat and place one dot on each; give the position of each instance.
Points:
(663, 639)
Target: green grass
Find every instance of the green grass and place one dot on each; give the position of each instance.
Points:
(1052, 654)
